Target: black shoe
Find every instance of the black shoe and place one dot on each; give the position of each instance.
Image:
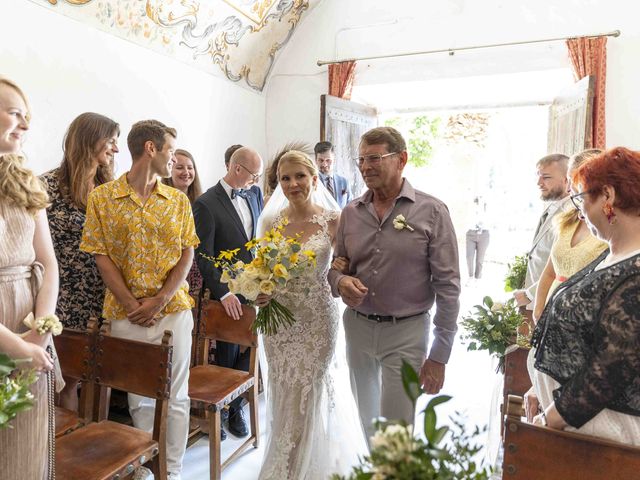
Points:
(237, 423)
(224, 415)
(223, 434)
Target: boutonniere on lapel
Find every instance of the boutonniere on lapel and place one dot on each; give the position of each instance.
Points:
(399, 223)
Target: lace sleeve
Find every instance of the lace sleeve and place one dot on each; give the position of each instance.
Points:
(614, 365)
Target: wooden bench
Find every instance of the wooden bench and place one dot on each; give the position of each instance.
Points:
(540, 453)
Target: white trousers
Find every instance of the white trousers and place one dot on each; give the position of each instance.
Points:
(375, 352)
(142, 409)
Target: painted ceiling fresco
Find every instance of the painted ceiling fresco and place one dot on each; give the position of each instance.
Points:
(238, 39)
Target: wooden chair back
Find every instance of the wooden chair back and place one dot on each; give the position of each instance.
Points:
(75, 350)
(135, 367)
(215, 324)
(538, 452)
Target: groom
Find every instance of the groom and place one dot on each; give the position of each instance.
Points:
(397, 269)
(226, 217)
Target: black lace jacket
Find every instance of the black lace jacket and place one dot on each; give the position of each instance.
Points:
(588, 339)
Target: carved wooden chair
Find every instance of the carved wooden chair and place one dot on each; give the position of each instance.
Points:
(110, 450)
(215, 387)
(75, 350)
(534, 452)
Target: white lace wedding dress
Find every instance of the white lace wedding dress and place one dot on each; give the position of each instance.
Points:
(315, 429)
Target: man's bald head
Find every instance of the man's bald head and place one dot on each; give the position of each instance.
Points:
(245, 168)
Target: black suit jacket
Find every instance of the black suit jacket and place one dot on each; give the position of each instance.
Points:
(219, 228)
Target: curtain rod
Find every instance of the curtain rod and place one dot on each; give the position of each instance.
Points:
(451, 51)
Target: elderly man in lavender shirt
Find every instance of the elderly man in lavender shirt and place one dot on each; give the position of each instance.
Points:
(402, 257)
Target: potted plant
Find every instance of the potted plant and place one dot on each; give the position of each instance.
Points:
(493, 327)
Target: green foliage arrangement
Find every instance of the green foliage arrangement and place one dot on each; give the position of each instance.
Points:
(15, 396)
(492, 327)
(421, 133)
(517, 271)
(397, 455)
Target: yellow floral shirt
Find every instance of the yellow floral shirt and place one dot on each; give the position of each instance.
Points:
(145, 241)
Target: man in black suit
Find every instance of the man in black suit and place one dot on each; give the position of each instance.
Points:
(226, 218)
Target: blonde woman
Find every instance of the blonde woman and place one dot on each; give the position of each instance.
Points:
(28, 284)
(89, 149)
(575, 247)
(184, 177)
(315, 430)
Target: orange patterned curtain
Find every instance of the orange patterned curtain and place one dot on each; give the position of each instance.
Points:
(341, 77)
(589, 57)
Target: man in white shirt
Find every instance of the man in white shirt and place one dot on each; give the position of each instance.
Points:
(336, 184)
(226, 218)
(552, 182)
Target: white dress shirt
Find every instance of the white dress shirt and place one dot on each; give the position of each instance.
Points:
(541, 248)
(242, 207)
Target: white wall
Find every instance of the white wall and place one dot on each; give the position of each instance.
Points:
(67, 68)
(339, 29)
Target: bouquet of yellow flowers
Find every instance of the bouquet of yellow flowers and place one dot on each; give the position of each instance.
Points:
(277, 260)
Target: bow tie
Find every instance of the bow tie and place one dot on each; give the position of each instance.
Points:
(238, 192)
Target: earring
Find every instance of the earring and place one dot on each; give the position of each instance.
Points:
(609, 213)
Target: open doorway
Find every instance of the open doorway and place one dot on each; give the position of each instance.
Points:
(473, 142)
(476, 138)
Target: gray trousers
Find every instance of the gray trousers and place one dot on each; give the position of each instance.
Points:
(374, 353)
(477, 243)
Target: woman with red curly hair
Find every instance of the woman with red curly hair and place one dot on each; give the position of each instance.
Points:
(587, 342)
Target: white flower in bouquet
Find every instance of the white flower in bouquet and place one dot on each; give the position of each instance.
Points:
(249, 287)
(497, 307)
(251, 272)
(43, 325)
(267, 287)
(225, 277)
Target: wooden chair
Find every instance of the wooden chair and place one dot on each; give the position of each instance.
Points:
(110, 450)
(540, 453)
(75, 350)
(215, 387)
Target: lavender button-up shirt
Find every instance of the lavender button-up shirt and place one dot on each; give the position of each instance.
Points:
(405, 271)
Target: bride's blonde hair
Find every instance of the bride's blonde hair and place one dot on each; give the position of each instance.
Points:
(297, 157)
(18, 184)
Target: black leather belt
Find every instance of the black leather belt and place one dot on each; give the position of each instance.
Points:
(386, 318)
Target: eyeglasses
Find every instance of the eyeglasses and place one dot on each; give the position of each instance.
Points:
(373, 159)
(578, 200)
(256, 176)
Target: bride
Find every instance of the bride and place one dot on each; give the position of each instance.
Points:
(315, 429)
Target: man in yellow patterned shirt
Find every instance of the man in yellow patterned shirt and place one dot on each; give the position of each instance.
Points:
(142, 235)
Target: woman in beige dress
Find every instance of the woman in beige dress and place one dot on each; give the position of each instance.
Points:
(28, 283)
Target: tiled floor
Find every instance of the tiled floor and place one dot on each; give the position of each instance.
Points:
(247, 467)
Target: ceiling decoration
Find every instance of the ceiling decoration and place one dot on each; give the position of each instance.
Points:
(238, 39)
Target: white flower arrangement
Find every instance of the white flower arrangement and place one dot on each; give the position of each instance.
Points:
(400, 223)
(43, 325)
